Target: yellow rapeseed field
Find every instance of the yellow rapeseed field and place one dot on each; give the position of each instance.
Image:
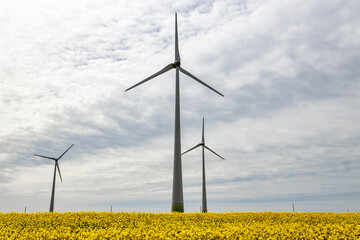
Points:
(125, 225)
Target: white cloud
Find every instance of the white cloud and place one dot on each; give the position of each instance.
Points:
(287, 125)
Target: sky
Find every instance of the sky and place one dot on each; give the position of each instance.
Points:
(288, 126)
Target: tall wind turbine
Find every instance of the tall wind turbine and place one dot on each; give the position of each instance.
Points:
(56, 167)
(177, 194)
(202, 144)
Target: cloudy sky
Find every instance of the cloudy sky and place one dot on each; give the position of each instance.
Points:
(288, 125)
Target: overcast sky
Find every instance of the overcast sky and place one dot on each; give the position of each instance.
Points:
(288, 125)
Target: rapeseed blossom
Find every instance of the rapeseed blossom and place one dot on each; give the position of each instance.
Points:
(125, 225)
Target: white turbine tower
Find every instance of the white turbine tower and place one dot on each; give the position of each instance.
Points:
(177, 194)
(56, 167)
(202, 144)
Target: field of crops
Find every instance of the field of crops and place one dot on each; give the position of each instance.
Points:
(250, 225)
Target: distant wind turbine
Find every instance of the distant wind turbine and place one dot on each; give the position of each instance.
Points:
(56, 167)
(202, 144)
(177, 194)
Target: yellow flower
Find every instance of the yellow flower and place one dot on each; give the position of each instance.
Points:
(123, 225)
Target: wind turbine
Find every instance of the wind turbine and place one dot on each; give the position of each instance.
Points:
(202, 144)
(177, 194)
(56, 167)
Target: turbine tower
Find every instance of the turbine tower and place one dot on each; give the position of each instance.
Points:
(202, 144)
(177, 194)
(56, 167)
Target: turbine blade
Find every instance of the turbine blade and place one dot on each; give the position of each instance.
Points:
(192, 148)
(195, 78)
(58, 168)
(203, 137)
(214, 152)
(65, 152)
(177, 54)
(44, 157)
(165, 69)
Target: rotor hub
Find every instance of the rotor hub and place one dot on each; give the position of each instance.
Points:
(177, 63)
